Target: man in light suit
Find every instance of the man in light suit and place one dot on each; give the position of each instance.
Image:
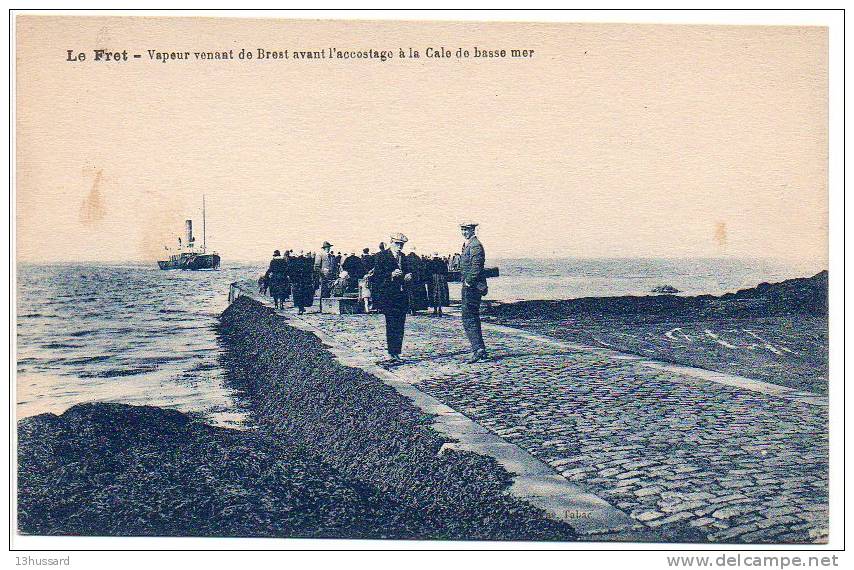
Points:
(325, 269)
(474, 287)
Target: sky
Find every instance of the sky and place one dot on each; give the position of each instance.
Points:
(610, 141)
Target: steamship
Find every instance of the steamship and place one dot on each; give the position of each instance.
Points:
(188, 257)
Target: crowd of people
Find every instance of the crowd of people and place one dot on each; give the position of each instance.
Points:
(290, 276)
(388, 281)
(303, 275)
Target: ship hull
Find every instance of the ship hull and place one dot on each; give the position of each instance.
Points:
(192, 262)
(204, 261)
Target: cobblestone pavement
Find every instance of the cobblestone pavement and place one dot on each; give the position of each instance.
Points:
(673, 451)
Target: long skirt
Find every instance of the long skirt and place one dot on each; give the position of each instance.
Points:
(303, 294)
(438, 291)
(279, 286)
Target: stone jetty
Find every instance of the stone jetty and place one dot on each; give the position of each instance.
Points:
(618, 446)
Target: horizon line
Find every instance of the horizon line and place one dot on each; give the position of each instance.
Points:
(497, 257)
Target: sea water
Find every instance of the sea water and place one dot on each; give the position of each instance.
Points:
(123, 333)
(138, 335)
(575, 278)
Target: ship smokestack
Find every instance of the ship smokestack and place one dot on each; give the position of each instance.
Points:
(188, 225)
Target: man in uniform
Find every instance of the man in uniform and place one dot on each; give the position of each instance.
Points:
(473, 288)
(390, 279)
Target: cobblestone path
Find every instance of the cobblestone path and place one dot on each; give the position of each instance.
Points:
(673, 451)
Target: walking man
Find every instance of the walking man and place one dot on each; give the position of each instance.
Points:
(474, 287)
(390, 279)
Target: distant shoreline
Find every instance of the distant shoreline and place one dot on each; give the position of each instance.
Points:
(792, 296)
(776, 332)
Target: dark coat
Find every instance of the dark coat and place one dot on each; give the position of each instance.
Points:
(439, 266)
(390, 293)
(354, 267)
(418, 285)
(277, 277)
(471, 263)
(278, 266)
(301, 276)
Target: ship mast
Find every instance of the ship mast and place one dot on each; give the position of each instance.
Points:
(204, 233)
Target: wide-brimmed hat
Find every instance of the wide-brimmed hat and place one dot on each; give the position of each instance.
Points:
(398, 238)
(277, 253)
(326, 245)
(468, 224)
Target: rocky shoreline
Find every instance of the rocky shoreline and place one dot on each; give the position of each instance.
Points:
(793, 297)
(366, 430)
(334, 453)
(119, 470)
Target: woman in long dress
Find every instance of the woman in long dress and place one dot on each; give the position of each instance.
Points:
(277, 277)
(438, 284)
(302, 280)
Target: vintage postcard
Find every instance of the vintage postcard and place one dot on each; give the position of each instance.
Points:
(423, 280)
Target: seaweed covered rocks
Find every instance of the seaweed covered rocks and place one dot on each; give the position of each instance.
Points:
(806, 296)
(366, 430)
(120, 470)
